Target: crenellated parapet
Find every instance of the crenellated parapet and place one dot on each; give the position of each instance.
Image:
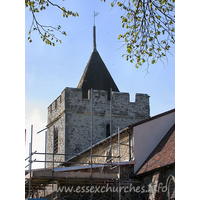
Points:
(71, 100)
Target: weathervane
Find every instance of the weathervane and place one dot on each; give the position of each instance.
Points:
(95, 14)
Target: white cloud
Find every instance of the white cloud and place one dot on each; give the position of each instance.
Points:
(37, 118)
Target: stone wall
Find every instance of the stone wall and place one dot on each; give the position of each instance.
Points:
(72, 115)
(102, 149)
(56, 119)
(155, 183)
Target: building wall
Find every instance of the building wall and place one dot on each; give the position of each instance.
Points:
(101, 150)
(72, 114)
(56, 118)
(145, 143)
(155, 184)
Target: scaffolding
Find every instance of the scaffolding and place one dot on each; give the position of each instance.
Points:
(39, 179)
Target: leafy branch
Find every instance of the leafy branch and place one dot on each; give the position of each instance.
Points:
(46, 32)
(150, 29)
(149, 25)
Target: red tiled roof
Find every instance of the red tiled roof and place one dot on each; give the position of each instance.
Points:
(162, 155)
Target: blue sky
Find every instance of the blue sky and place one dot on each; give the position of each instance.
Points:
(48, 70)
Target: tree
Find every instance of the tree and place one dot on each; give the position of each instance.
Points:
(150, 28)
(149, 25)
(46, 32)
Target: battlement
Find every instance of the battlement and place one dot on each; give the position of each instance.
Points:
(71, 100)
(56, 107)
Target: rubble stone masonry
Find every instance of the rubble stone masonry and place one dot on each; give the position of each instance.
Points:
(71, 115)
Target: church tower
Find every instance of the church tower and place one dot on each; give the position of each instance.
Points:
(96, 106)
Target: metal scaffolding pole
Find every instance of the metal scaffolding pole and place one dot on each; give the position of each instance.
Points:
(53, 163)
(30, 161)
(29, 191)
(119, 163)
(45, 156)
(91, 135)
(111, 121)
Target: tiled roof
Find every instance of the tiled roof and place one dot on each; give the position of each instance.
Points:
(162, 155)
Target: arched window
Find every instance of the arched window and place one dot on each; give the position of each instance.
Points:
(171, 188)
(107, 130)
(56, 140)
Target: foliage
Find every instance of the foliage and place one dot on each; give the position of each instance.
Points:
(46, 32)
(149, 25)
(150, 29)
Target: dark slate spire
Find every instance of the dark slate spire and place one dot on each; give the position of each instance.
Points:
(96, 75)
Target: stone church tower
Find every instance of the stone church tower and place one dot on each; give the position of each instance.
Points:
(96, 106)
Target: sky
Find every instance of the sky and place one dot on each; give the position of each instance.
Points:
(35, 74)
(48, 70)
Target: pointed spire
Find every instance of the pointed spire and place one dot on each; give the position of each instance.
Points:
(96, 74)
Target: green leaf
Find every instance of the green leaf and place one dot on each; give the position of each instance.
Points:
(119, 36)
(129, 50)
(151, 38)
(35, 10)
